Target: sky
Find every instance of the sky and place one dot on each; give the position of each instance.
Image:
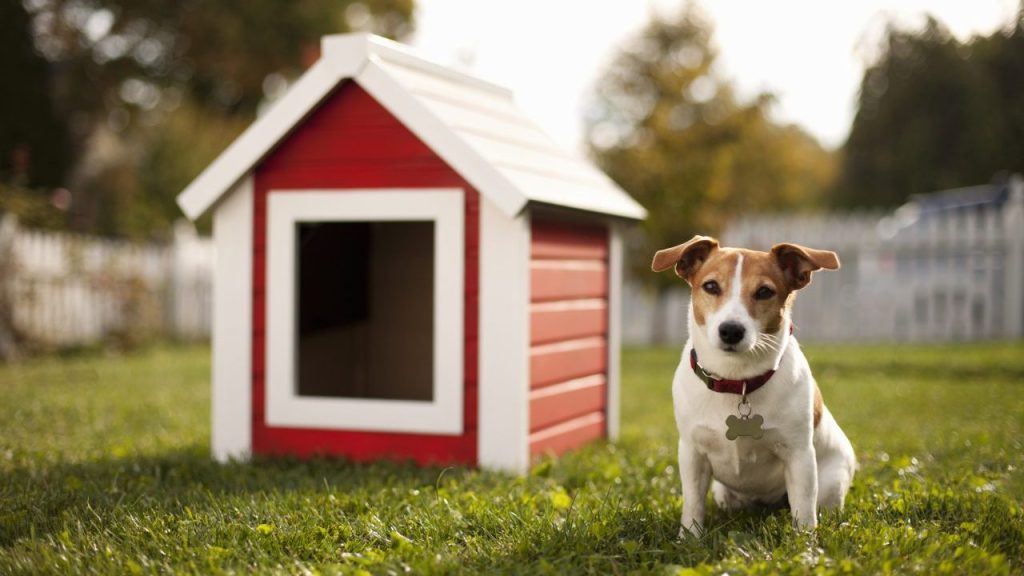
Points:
(810, 53)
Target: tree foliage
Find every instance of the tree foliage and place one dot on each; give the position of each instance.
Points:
(150, 91)
(218, 53)
(33, 140)
(671, 132)
(935, 113)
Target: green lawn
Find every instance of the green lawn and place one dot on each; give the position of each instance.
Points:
(104, 469)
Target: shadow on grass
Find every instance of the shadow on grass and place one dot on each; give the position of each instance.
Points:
(39, 499)
(137, 494)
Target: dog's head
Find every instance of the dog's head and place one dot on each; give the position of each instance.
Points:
(741, 297)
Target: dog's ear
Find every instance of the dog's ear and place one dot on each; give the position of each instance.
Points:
(797, 262)
(686, 258)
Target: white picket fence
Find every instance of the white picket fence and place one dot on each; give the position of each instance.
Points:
(63, 290)
(945, 277)
(950, 276)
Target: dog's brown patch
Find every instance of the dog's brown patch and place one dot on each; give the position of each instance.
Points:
(685, 258)
(760, 269)
(818, 405)
(797, 262)
(721, 268)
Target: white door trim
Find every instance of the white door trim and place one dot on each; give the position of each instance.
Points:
(284, 407)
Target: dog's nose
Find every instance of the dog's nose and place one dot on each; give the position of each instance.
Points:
(731, 332)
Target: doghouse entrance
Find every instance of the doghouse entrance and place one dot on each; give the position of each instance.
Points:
(364, 305)
(365, 298)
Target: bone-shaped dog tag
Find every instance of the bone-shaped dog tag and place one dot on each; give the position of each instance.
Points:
(744, 426)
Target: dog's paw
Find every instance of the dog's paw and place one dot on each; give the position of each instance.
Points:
(694, 532)
(805, 522)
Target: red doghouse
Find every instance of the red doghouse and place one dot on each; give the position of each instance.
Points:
(407, 267)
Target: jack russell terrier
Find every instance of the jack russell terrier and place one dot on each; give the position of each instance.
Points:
(752, 425)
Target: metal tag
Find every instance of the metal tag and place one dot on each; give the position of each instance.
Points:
(746, 424)
(749, 425)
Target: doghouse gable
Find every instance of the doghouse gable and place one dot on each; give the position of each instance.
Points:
(352, 162)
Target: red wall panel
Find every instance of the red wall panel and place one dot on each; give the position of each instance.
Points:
(568, 334)
(553, 404)
(351, 141)
(551, 241)
(553, 322)
(562, 361)
(568, 435)
(568, 280)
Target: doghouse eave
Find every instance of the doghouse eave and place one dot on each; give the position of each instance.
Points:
(473, 125)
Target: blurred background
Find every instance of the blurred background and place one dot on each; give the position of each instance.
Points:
(892, 132)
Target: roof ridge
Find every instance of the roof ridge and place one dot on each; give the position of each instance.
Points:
(334, 45)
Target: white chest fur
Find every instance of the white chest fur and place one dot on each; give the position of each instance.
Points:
(752, 466)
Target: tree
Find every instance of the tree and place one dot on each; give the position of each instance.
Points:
(131, 77)
(935, 113)
(33, 140)
(124, 53)
(1001, 56)
(667, 129)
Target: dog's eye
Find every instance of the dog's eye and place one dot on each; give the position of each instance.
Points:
(764, 293)
(711, 287)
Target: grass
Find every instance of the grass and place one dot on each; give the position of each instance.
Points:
(104, 468)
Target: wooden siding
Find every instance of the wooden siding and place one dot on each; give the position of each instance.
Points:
(568, 280)
(568, 335)
(561, 361)
(351, 141)
(568, 435)
(560, 402)
(566, 320)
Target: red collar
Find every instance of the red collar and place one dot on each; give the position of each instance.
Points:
(724, 386)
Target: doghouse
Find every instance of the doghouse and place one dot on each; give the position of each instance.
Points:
(408, 268)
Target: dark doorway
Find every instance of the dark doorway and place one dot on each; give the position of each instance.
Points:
(365, 309)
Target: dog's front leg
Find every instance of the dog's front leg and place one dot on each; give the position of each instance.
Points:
(695, 473)
(802, 487)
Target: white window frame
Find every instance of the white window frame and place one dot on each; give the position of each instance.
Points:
(284, 406)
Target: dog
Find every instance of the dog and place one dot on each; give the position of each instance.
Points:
(752, 424)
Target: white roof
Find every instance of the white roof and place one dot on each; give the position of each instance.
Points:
(472, 124)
